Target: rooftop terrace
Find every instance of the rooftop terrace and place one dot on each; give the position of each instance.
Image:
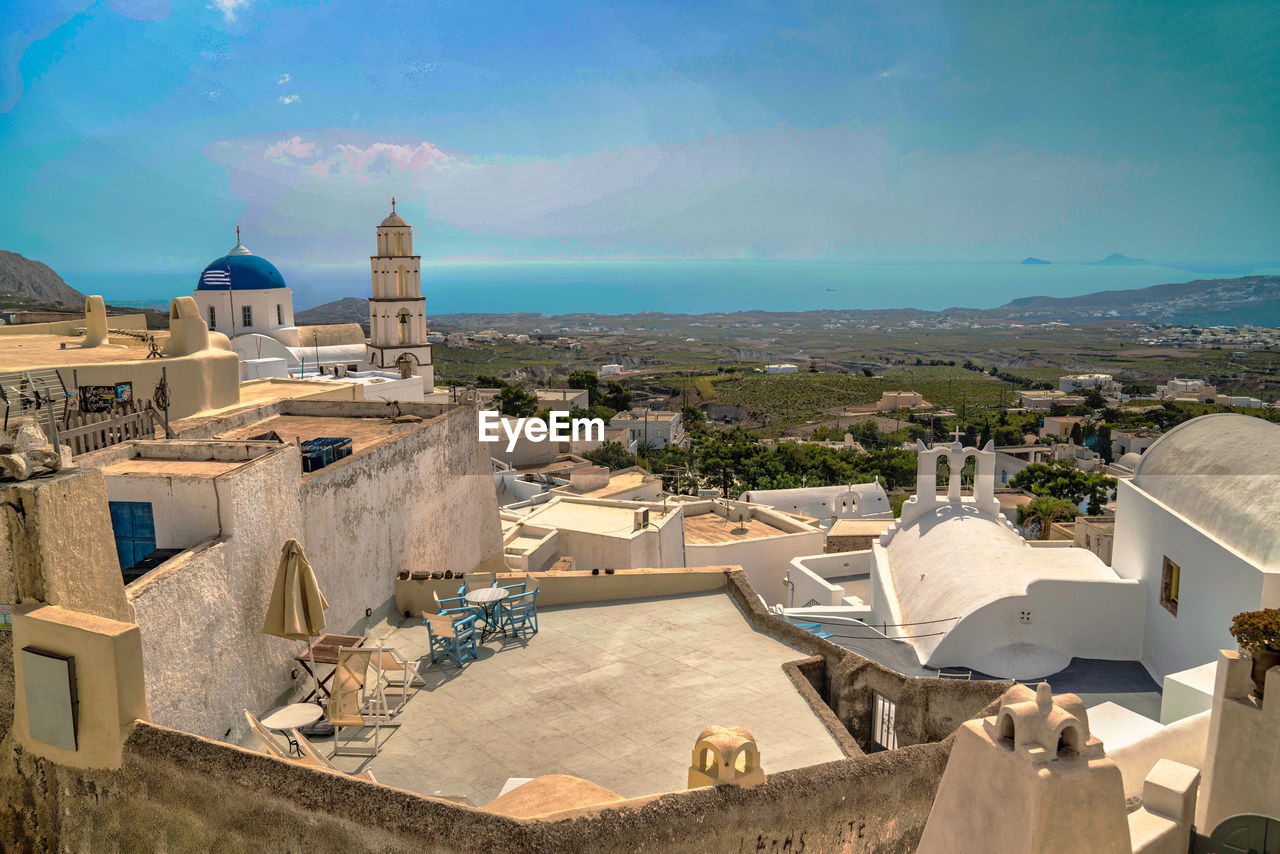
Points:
(363, 432)
(27, 352)
(616, 694)
(709, 528)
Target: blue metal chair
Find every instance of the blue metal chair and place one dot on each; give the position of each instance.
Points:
(520, 613)
(451, 637)
(454, 605)
(513, 589)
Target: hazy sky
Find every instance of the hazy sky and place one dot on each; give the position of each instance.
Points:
(137, 133)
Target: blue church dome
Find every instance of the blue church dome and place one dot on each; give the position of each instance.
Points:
(239, 270)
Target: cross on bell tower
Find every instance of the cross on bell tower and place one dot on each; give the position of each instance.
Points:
(957, 434)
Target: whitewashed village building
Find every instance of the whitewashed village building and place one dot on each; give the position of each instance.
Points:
(827, 503)
(1198, 525)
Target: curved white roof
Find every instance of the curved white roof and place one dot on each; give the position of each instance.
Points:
(955, 560)
(1222, 473)
(1129, 460)
(869, 499)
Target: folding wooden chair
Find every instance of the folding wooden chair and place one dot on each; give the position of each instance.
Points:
(349, 707)
(315, 759)
(400, 678)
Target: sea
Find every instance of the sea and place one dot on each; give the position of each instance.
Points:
(685, 287)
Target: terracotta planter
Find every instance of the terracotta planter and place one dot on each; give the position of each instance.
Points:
(1263, 660)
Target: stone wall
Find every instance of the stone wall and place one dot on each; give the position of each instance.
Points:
(177, 792)
(929, 710)
(424, 503)
(201, 612)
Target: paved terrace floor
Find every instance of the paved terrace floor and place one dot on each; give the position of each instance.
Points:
(613, 693)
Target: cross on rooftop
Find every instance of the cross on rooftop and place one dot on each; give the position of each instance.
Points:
(957, 434)
(393, 204)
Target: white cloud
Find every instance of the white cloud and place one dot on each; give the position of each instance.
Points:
(284, 78)
(288, 99)
(229, 8)
(784, 192)
(288, 150)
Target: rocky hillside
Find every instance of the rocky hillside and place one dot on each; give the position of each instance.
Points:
(345, 310)
(1248, 300)
(35, 282)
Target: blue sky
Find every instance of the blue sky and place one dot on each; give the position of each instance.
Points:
(137, 133)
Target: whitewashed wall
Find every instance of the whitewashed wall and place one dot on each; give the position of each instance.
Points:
(1216, 582)
(204, 655)
(765, 560)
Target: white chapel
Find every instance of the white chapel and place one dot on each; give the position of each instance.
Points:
(397, 309)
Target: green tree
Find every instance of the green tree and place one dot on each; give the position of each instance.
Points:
(616, 396)
(1093, 398)
(488, 381)
(611, 454)
(1038, 516)
(515, 403)
(1102, 443)
(693, 419)
(1077, 434)
(586, 380)
(1061, 479)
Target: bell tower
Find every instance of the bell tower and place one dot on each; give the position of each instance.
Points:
(397, 309)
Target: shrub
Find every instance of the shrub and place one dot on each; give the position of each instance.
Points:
(1257, 630)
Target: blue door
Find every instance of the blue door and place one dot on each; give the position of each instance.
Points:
(135, 530)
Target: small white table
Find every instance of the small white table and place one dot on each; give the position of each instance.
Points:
(293, 716)
(488, 598)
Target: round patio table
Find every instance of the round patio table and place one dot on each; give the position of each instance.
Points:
(487, 598)
(293, 716)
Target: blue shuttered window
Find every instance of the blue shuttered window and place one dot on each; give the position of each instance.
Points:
(135, 530)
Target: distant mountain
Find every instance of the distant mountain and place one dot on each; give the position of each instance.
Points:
(30, 280)
(1115, 259)
(345, 310)
(1248, 300)
(1034, 261)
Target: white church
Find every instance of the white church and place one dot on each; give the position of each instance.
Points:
(244, 296)
(1197, 540)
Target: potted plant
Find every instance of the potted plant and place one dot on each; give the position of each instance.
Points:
(1258, 632)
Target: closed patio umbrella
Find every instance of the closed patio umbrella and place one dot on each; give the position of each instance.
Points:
(297, 606)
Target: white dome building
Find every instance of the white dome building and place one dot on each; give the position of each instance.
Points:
(244, 294)
(1199, 524)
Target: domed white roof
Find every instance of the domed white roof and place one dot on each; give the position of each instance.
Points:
(1222, 473)
(1129, 460)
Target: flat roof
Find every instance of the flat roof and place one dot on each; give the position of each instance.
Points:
(614, 693)
(711, 527)
(171, 468)
(26, 352)
(618, 483)
(859, 527)
(595, 518)
(363, 432)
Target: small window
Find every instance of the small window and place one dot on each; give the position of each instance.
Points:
(246, 315)
(279, 314)
(213, 318)
(1171, 580)
(884, 714)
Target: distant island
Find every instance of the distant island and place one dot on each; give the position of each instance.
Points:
(1115, 259)
(1034, 260)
